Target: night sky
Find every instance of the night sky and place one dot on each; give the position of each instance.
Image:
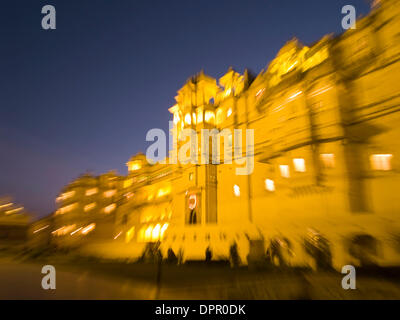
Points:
(82, 97)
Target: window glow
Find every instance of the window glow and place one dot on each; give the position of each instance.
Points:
(163, 192)
(109, 193)
(188, 119)
(67, 208)
(381, 162)
(328, 160)
(299, 165)
(89, 206)
(14, 210)
(64, 230)
(147, 233)
(199, 115)
(155, 234)
(134, 165)
(6, 205)
(130, 234)
(176, 118)
(110, 208)
(91, 192)
(236, 190)
(77, 230)
(65, 196)
(285, 172)
(269, 185)
(88, 228)
(209, 116)
(229, 112)
(163, 229)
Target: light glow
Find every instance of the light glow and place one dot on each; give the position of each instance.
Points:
(14, 210)
(299, 165)
(270, 185)
(188, 119)
(285, 172)
(110, 208)
(209, 116)
(328, 160)
(116, 237)
(89, 206)
(381, 162)
(77, 230)
(236, 190)
(40, 229)
(88, 228)
(91, 192)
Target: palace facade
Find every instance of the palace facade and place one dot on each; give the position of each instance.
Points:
(326, 169)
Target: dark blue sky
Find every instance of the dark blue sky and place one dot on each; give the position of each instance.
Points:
(83, 96)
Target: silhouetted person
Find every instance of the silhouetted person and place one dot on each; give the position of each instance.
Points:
(193, 217)
(208, 255)
(171, 257)
(234, 254)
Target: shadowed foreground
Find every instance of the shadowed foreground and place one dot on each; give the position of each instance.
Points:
(91, 280)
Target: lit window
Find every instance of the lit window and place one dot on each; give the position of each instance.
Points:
(284, 171)
(209, 116)
(190, 176)
(6, 205)
(141, 235)
(129, 234)
(188, 119)
(67, 208)
(110, 208)
(299, 165)
(229, 112)
(163, 191)
(147, 233)
(134, 165)
(194, 118)
(269, 185)
(327, 160)
(109, 193)
(14, 210)
(381, 162)
(163, 229)
(155, 234)
(88, 228)
(64, 230)
(199, 116)
(91, 192)
(236, 190)
(89, 206)
(176, 118)
(66, 196)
